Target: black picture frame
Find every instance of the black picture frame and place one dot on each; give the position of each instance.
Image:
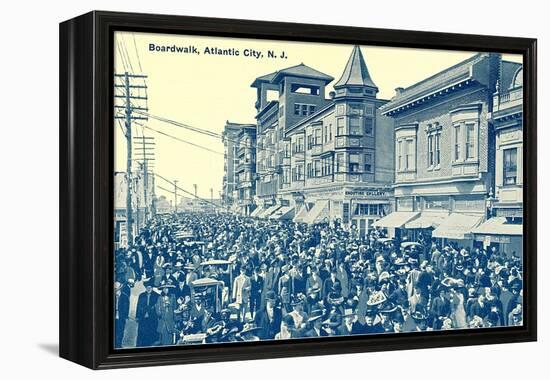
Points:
(86, 188)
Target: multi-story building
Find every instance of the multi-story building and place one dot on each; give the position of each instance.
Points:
(324, 159)
(230, 161)
(444, 150)
(283, 98)
(504, 229)
(245, 170)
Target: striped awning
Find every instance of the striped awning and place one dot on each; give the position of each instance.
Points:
(396, 219)
(457, 226)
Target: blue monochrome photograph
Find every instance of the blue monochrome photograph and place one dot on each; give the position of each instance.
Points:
(280, 190)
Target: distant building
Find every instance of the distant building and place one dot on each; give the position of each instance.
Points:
(229, 139)
(163, 205)
(246, 169)
(323, 159)
(141, 211)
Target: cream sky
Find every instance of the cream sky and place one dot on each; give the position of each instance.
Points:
(206, 90)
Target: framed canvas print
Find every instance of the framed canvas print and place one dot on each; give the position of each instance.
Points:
(240, 190)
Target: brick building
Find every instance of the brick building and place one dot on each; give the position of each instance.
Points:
(445, 151)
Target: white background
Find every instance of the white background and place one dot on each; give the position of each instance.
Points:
(29, 208)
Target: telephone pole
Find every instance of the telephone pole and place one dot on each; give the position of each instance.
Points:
(144, 146)
(127, 86)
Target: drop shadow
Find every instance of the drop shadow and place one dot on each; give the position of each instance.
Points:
(51, 348)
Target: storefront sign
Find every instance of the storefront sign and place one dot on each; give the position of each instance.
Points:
(488, 239)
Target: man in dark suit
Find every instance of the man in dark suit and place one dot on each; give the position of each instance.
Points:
(351, 325)
(315, 322)
(146, 317)
(122, 309)
(269, 317)
(256, 286)
(149, 262)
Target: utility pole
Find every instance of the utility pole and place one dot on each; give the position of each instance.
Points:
(144, 146)
(176, 195)
(127, 86)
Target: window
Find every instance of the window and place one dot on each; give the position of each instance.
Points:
(304, 110)
(368, 126)
(437, 159)
(325, 134)
(368, 163)
(356, 109)
(457, 142)
(298, 173)
(470, 134)
(409, 151)
(299, 146)
(296, 109)
(400, 155)
(317, 138)
(353, 162)
(340, 126)
(330, 132)
(340, 164)
(340, 109)
(355, 126)
(373, 209)
(309, 141)
(311, 110)
(316, 168)
(367, 209)
(304, 89)
(430, 150)
(309, 168)
(327, 166)
(286, 176)
(369, 109)
(510, 166)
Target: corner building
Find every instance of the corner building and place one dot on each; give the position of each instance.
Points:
(444, 151)
(323, 159)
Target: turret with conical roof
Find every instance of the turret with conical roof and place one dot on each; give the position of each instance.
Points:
(355, 80)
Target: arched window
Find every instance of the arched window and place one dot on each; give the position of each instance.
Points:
(518, 78)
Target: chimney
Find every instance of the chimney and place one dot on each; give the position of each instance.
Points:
(399, 90)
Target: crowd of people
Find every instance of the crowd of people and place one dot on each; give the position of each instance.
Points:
(285, 280)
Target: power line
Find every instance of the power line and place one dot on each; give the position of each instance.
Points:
(203, 131)
(137, 54)
(180, 139)
(187, 192)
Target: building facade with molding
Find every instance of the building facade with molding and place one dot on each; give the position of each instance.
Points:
(446, 151)
(504, 229)
(324, 159)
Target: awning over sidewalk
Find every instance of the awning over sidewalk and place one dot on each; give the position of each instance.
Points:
(285, 212)
(457, 226)
(396, 219)
(300, 214)
(257, 210)
(317, 213)
(428, 219)
(498, 226)
(269, 211)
